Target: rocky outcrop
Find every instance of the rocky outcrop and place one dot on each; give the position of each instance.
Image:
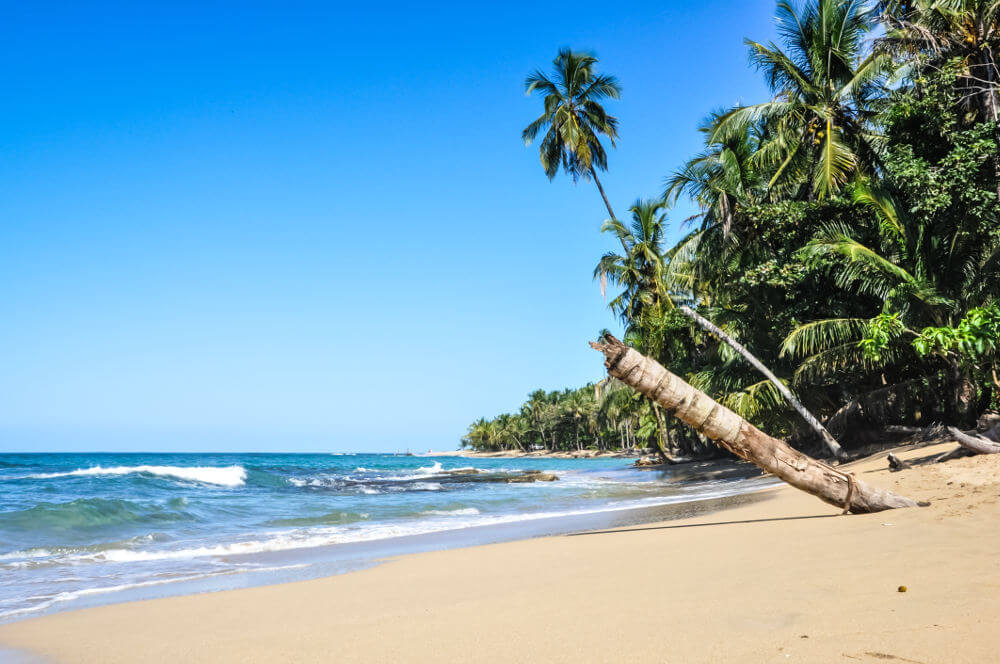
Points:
(531, 476)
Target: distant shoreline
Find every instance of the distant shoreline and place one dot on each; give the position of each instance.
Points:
(516, 454)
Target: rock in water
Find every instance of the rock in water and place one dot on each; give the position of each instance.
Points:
(532, 476)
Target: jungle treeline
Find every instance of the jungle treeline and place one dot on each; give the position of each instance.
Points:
(847, 235)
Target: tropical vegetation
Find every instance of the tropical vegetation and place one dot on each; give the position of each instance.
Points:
(848, 235)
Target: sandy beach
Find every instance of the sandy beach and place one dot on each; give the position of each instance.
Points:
(786, 579)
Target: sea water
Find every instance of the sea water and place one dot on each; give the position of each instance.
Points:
(89, 528)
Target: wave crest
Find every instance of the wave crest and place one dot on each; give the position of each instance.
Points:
(230, 476)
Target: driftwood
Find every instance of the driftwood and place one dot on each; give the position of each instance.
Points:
(896, 464)
(977, 444)
(733, 433)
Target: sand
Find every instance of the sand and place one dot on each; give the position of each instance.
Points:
(782, 580)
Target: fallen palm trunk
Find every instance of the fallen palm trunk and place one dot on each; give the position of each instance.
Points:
(732, 432)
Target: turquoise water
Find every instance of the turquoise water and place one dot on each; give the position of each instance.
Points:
(77, 527)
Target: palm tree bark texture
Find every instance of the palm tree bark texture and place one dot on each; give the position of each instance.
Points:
(733, 433)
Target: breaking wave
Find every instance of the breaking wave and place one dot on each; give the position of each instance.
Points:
(230, 476)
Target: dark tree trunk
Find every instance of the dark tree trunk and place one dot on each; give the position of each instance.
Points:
(963, 394)
(661, 434)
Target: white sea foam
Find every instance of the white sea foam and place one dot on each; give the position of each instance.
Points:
(466, 511)
(77, 594)
(418, 473)
(70, 595)
(218, 475)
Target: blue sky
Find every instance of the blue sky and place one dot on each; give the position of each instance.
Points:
(303, 226)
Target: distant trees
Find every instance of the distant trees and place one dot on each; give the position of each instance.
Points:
(606, 417)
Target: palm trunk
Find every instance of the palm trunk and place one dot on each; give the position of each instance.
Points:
(607, 204)
(830, 441)
(732, 432)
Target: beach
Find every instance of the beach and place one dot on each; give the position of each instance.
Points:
(783, 579)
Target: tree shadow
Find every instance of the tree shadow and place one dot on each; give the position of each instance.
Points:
(704, 525)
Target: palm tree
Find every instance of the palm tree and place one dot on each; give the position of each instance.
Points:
(722, 178)
(578, 408)
(573, 118)
(730, 431)
(511, 429)
(478, 436)
(639, 270)
(645, 300)
(824, 84)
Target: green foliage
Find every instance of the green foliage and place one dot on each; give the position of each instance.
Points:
(882, 331)
(858, 205)
(975, 336)
(817, 134)
(573, 118)
(826, 281)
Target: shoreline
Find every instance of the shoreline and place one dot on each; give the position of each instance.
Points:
(324, 560)
(781, 579)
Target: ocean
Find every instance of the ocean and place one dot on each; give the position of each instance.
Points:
(83, 529)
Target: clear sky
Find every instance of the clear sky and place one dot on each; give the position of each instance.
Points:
(306, 226)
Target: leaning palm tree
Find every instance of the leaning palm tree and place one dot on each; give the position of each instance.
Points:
(824, 84)
(645, 299)
(738, 436)
(573, 118)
